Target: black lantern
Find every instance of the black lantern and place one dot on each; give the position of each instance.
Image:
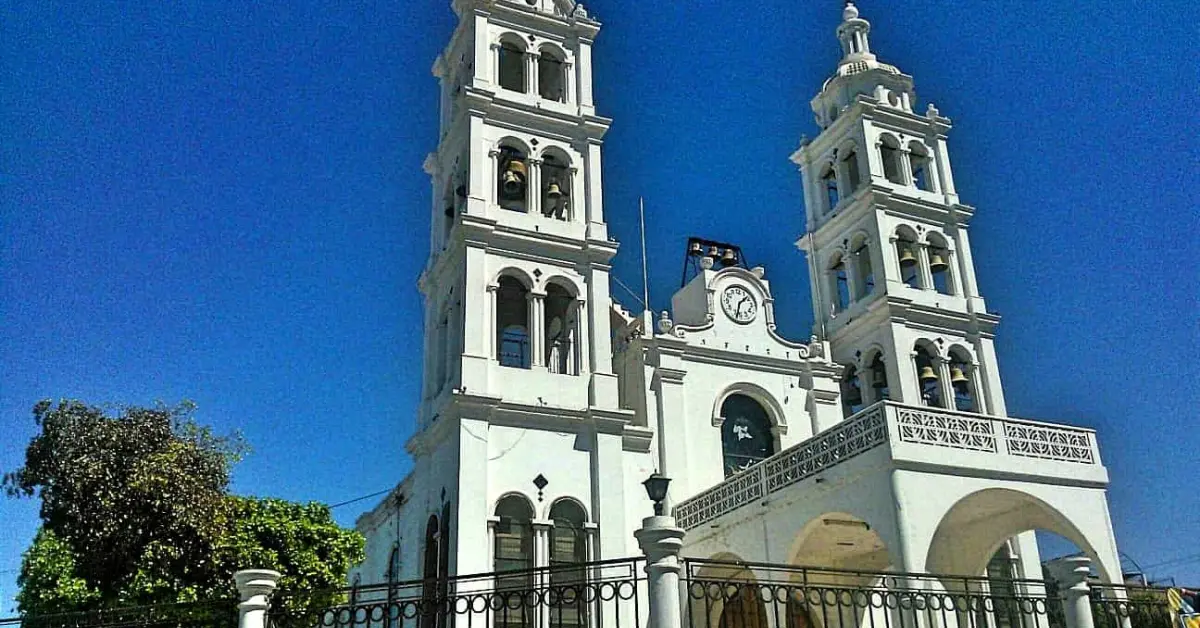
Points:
(656, 489)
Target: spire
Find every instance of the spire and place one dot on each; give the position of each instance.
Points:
(853, 32)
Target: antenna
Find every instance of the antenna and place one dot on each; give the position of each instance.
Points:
(645, 274)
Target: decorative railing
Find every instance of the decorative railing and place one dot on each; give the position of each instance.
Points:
(586, 595)
(891, 424)
(759, 594)
(1123, 606)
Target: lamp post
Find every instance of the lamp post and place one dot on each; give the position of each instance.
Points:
(661, 541)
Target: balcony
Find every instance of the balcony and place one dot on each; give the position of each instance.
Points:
(914, 437)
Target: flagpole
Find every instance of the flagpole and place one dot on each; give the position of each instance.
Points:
(645, 274)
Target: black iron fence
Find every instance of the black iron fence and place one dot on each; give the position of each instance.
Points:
(588, 595)
(1117, 606)
(758, 595)
(222, 613)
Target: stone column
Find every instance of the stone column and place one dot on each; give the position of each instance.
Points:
(924, 276)
(1077, 603)
(254, 590)
(661, 541)
(533, 187)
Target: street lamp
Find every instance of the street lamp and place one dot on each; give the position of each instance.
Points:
(656, 489)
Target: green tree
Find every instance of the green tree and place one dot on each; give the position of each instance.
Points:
(135, 509)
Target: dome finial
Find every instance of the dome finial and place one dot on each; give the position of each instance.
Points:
(850, 12)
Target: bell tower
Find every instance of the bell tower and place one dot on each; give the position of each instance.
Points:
(516, 284)
(893, 281)
(519, 400)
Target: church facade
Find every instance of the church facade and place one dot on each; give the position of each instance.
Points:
(880, 443)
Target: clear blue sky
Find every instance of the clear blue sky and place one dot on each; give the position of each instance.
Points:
(224, 202)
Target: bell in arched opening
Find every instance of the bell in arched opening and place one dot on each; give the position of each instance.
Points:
(879, 377)
(729, 258)
(853, 395)
(553, 191)
(515, 175)
(907, 257)
(928, 375)
(937, 262)
(958, 378)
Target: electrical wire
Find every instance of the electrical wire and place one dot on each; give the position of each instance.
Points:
(359, 499)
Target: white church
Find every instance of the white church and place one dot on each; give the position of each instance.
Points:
(879, 444)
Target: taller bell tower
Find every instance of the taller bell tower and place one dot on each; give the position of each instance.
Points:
(893, 281)
(516, 285)
(519, 421)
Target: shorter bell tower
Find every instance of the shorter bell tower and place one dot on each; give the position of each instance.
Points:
(893, 280)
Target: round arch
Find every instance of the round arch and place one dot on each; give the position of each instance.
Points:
(726, 593)
(512, 494)
(587, 516)
(758, 393)
(512, 39)
(514, 272)
(840, 540)
(566, 283)
(975, 527)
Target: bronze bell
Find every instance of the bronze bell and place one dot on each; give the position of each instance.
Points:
(906, 257)
(853, 395)
(879, 379)
(554, 192)
(927, 374)
(958, 377)
(514, 178)
(714, 252)
(937, 263)
(695, 249)
(729, 258)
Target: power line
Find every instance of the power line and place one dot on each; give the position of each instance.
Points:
(1176, 561)
(359, 499)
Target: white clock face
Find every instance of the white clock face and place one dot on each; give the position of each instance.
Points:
(739, 304)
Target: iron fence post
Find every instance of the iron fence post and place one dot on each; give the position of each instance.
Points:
(661, 541)
(254, 590)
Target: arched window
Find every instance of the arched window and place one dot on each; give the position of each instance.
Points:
(864, 274)
(921, 166)
(908, 257)
(889, 153)
(879, 379)
(850, 167)
(852, 394)
(961, 382)
(830, 185)
(512, 323)
(431, 576)
(939, 265)
(552, 75)
(568, 556)
(512, 180)
(556, 186)
(928, 377)
(561, 323)
(746, 437)
(393, 566)
(512, 67)
(513, 565)
(839, 284)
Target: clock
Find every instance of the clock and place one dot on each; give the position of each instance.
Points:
(739, 304)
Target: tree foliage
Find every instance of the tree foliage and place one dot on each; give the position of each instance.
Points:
(135, 509)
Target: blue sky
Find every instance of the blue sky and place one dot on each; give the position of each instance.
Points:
(224, 202)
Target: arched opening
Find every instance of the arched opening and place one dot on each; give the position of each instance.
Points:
(984, 533)
(552, 75)
(962, 381)
(393, 566)
(746, 435)
(851, 171)
(512, 179)
(889, 153)
(928, 375)
(864, 274)
(939, 265)
(908, 257)
(724, 593)
(513, 561)
(561, 330)
(512, 323)
(432, 576)
(556, 186)
(829, 185)
(839, 283)
(834, 541)
(878, 376)
(921, 166)
(511, 66)
(852, 393)
(568, 556)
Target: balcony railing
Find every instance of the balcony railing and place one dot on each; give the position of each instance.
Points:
(919, 434)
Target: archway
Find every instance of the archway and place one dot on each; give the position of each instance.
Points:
(725, 593)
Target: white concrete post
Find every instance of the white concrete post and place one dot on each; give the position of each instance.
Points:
(661, 541)
(254, 590)
(1077, 604)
